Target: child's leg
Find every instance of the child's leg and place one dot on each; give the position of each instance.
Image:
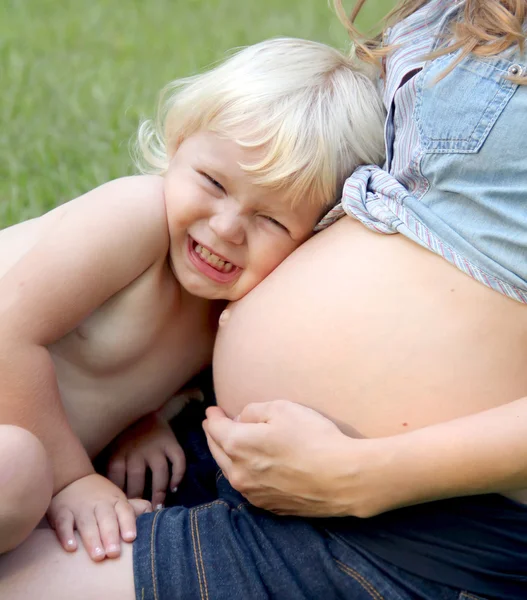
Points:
(41, 568)
(26, 484)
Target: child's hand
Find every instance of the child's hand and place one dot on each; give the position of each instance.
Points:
(148, 443)
(99, 511)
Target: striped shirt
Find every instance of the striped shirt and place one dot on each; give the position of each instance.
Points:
(394, 199)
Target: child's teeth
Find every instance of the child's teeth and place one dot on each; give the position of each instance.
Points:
(213, 260)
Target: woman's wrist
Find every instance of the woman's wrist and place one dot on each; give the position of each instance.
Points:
(383, 474)
(363, 478)
(477, 454)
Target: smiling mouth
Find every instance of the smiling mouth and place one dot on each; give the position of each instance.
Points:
(215, 267)
(212, 259)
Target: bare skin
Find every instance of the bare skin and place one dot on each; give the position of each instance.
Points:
(22, 508)
(375, 333)
(59, 575)
(108, 307)
(109, 371)
(400, 284)
(129, 355)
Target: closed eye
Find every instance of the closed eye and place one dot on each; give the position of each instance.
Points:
(275, 222)
(214, 182)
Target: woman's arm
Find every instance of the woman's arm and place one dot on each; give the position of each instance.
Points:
(289, 459)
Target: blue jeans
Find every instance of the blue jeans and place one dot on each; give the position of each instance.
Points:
(229, 550)
(215, 545)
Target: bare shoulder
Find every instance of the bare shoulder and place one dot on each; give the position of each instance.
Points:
(88, 250)
(127, 211)
(137, 187)
(139, 199)
(137, 195)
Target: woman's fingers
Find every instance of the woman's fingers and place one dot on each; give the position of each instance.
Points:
(256, 412)
(281, 410)
(272, 454)
(220, 431)
(215, 411)
(226, 432)
(222, 460)
(259, 412)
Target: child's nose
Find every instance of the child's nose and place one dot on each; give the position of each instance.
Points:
(228, 226)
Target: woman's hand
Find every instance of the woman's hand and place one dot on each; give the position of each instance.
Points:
(101, 514)
(148, 443)
(289, 459)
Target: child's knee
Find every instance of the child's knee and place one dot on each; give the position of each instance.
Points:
(26, 481)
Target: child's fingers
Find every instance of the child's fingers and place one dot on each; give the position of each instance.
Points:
(125, 512)
(106, 517)
(140, 506)
(159, 465)
(88, 529)
(117, 471)
(177, 458)
(63, 524)
(158, 499)
(135, 476)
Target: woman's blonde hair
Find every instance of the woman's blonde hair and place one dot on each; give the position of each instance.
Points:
(488, 27)
(315, 114)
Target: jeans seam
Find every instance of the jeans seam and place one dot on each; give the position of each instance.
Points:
(206, 586)
(196, 546)
(193, 523)
(209, 504)
(368, 587)
(152, 554)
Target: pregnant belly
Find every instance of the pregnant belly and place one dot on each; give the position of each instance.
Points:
(376, 333)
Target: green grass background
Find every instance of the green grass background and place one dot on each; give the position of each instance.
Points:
(78, 75)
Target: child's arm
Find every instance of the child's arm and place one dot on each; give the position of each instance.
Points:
(99, 243)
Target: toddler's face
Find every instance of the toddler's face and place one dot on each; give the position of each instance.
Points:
(226, 232)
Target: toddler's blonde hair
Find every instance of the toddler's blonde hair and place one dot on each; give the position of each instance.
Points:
(314, 112)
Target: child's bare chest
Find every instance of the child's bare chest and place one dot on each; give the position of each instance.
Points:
(130, 355)
(142, 319)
